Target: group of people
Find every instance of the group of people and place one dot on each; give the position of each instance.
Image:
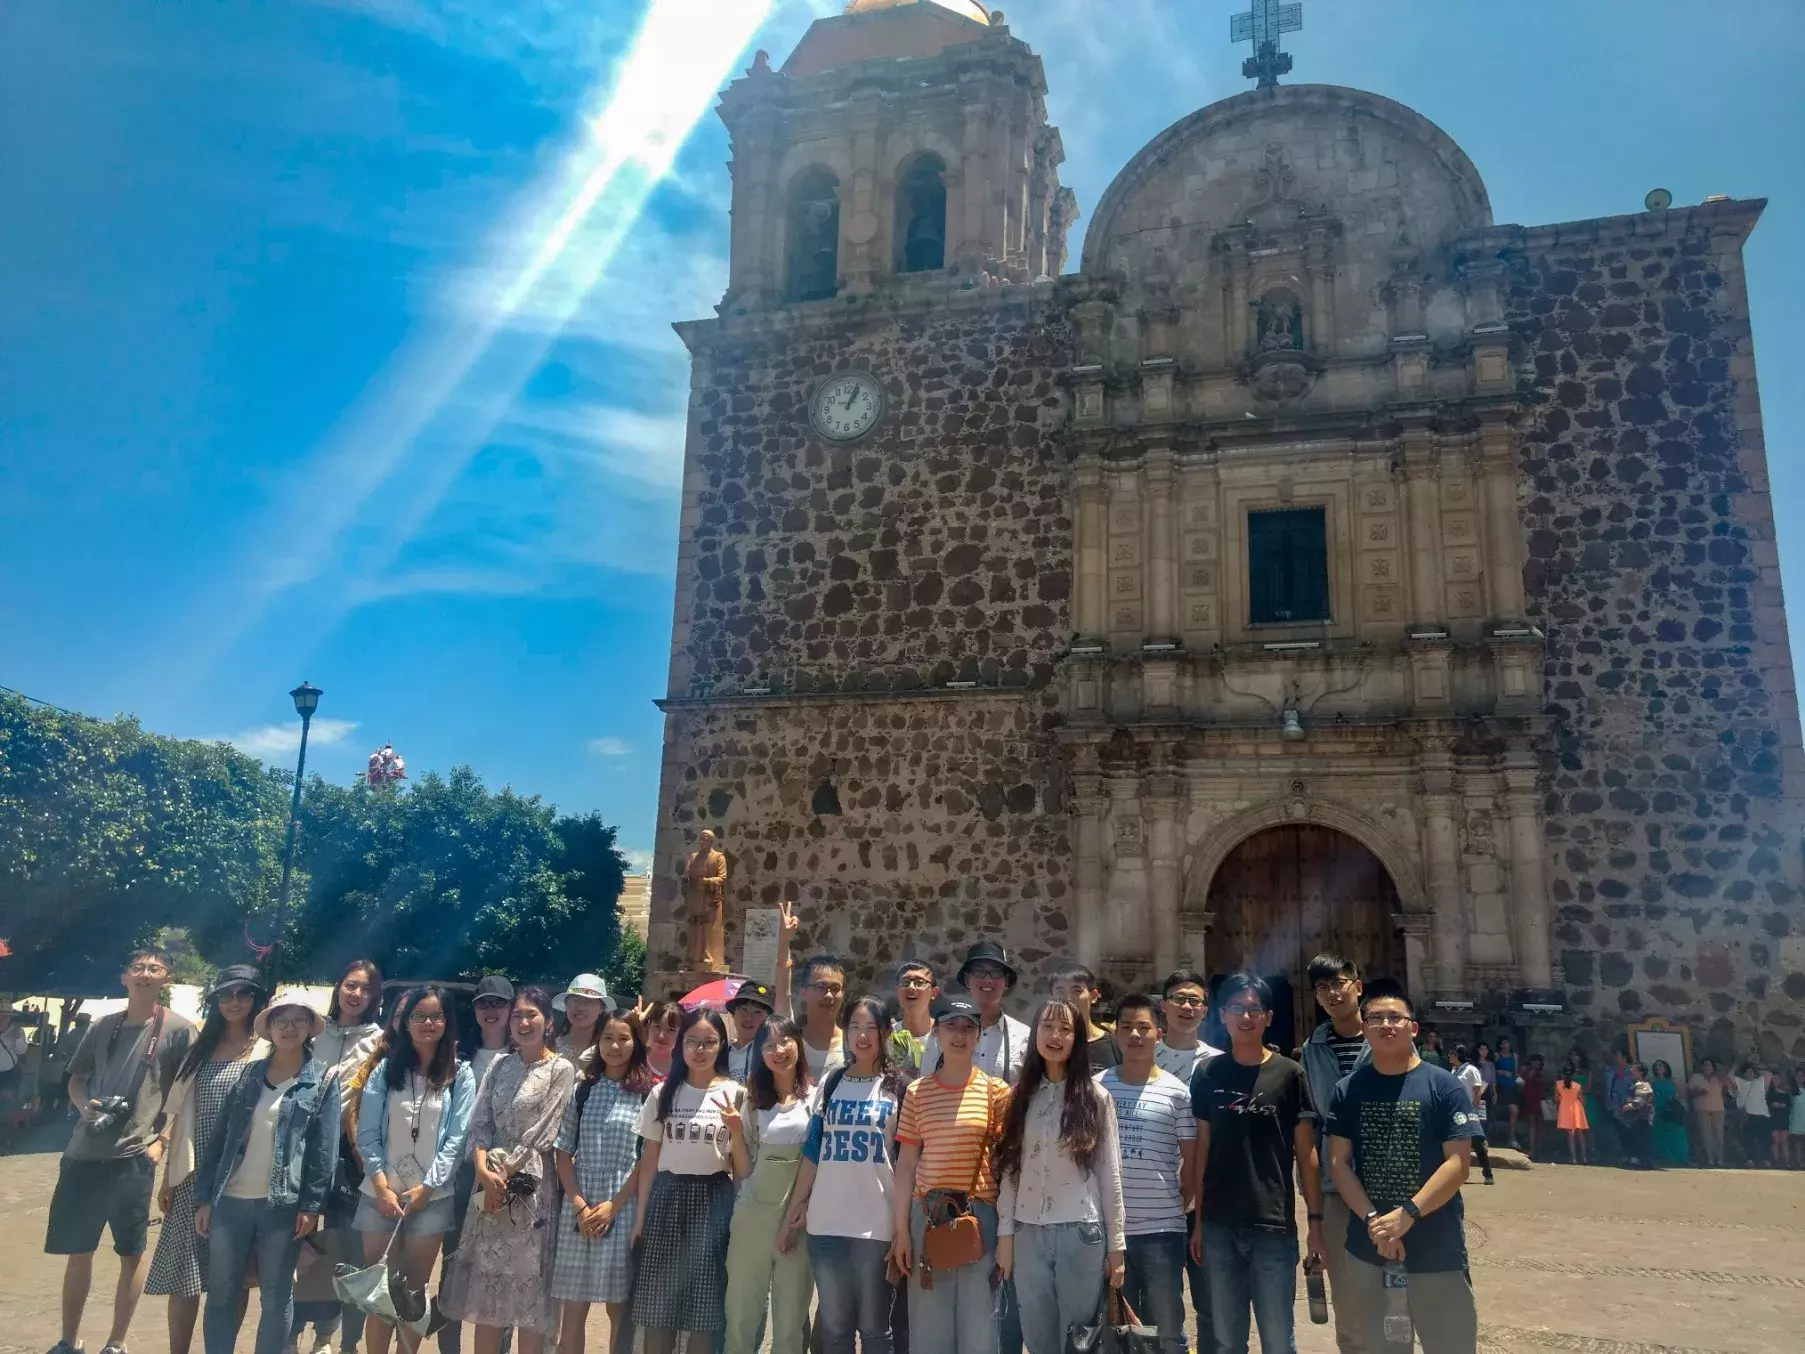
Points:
(922, 1171)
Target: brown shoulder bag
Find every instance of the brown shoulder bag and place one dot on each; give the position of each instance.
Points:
(953, 1238)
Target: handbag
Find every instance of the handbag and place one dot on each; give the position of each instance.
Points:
(383, 1293)
(1117, 1330)
(953, 1238)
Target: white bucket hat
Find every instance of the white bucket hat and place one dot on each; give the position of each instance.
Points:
(291, 996)
(585, 985)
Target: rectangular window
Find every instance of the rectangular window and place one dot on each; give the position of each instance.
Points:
(1287, 566)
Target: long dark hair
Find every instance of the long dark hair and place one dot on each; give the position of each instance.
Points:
(667, 1093)
(637, 1079)
(1080, 1119)
(891, 1077)
(764, 1080)
(374, 973)
(213, 1029)
(403, 1061)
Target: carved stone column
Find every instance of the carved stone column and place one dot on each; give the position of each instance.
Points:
(1161, 803)
(1162, 543)
(1427, 605)
(1091, 621)
(1088, 806)
(1528, 891)
(756, 270)
(1418, 929)
(1444, 872)
(859, 200)
(1319, 259)
(974, 190)
(1503, 532)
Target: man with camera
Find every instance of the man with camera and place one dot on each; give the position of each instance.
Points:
(120, 1078)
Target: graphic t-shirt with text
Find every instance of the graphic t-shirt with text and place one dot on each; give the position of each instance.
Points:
(692, 1139)
(1397, 1125)
(1253, 1114)
(852, 1141)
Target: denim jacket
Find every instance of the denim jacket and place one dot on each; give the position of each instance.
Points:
(454, 1125)
(1322, 1069)
(304, 1153)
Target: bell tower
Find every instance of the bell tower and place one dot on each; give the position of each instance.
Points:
(903, 146)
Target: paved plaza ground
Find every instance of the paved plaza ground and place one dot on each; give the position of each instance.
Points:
(1586, 1259)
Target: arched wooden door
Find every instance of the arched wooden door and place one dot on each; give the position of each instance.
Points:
(1288, 893)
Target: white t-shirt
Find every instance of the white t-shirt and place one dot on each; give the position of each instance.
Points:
(1001, 1049)
(409, 1153)
(482, 1060)
(740, 1058)
(785, 1125)
(1472, 1078)
(1184, 1062)
(12, 1048)
(821, 1061)
(1751, 1096)
(1152, 1119)
(693, 1140)
(852, 1140)
(251, 1179)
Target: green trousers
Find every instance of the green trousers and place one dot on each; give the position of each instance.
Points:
(757, 1271)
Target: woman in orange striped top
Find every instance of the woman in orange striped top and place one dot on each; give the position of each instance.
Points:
(949, 1122)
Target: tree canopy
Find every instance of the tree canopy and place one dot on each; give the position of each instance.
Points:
(109, 835)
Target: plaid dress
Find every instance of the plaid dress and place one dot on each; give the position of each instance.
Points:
(604, 1145)
(179, 1268)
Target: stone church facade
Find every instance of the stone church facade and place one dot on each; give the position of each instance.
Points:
(1321, 563)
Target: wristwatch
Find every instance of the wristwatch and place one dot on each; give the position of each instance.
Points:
(1409, 1206)
(1371, 1213)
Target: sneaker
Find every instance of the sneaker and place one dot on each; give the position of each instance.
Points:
(64, 1347)
(113, 1347)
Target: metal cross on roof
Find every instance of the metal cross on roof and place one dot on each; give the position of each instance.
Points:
(1262, 26)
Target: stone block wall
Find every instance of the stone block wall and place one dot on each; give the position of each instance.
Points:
(938, 548)
(1673, 782)
(913, 826)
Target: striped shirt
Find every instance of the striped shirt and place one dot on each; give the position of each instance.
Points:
(1152, 1119)
(954, 1126)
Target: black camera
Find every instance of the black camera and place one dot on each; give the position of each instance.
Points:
(112, 1116)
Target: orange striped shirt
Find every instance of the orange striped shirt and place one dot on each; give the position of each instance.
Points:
(955, 1127)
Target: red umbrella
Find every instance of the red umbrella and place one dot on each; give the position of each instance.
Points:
(716, 993)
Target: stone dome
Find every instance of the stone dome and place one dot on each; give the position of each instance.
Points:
(971, 9)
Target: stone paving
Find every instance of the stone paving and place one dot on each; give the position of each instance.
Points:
(1591, 1260)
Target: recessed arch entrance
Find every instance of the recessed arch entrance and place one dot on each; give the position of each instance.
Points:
(1288, 892)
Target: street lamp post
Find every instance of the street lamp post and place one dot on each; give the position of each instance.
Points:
(307, 700)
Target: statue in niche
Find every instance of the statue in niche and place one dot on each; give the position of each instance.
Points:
(705, 904)
(1279, 325)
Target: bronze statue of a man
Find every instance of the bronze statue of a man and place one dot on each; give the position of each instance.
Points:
(705, 901)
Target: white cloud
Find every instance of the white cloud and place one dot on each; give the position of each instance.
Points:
(638, 862)
(273, 740)
(609, 746)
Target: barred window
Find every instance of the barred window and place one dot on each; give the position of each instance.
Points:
(1287, 566)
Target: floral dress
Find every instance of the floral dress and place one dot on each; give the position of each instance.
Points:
(179, 1268)
(501, 1274)
(605, 1148)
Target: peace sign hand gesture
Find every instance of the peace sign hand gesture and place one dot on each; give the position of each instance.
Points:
(731, 1119)
(788, 921)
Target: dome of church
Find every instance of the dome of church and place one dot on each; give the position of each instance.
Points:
(971, 9)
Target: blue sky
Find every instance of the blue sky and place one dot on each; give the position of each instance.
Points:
(334, 337)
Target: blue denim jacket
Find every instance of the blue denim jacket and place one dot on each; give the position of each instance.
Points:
(1322, 1069)
(305, 1152)
(454, 1126)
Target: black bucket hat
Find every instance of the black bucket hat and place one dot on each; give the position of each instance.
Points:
(754, 994)
(236, 975)
(987, 952)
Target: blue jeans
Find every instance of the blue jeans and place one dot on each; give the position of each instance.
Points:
(1058, 1280)
(238, 1228)
(1200, 1292)
(958, 1315)
(853, 1292)
(1155, 1285)
(1247, 1267)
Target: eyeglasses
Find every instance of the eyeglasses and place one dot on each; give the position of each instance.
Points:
(490, 1003)
(1334, 985)
(1387, 1018)
(237, 994)
(1244, 1012)
(829, 989)
(701, 1045)
(986, 971)
(916, 984)
(291, 1022)
(426, 1018)
(147, 969)
(1177, 999)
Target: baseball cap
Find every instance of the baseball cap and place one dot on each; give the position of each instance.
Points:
(955, 1008)
(494, 985)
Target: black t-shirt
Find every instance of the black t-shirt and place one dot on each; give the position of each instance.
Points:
(1103, 1054)
(1397, 1125)
(1253, 1113)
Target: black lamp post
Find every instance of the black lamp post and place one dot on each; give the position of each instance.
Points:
(307, 700)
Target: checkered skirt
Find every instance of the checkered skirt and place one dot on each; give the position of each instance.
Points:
(682, 1280)
(179, 1267)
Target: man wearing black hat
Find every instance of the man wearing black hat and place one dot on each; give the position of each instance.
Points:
(751, 1006)
(1003, 1040)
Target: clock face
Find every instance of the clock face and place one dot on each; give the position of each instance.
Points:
(847, 407)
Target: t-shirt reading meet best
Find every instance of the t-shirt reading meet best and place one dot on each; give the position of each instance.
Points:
(851, 1140)
(692, 1139)
(1398, 1125)
(1253, 1113)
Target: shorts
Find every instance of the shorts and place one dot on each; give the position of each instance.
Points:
(436, 1219)
(95, 1196)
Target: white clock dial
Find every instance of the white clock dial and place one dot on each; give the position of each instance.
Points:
(847, 407)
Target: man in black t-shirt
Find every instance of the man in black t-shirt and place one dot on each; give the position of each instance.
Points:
(1255, 1121)
(1400, 1139)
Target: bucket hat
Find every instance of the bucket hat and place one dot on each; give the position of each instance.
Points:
(754, 994)
(585, 985)
(235, 975)
(290, 996)
(987, 952)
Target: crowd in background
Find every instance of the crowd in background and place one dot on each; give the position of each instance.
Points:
(920, 1169)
